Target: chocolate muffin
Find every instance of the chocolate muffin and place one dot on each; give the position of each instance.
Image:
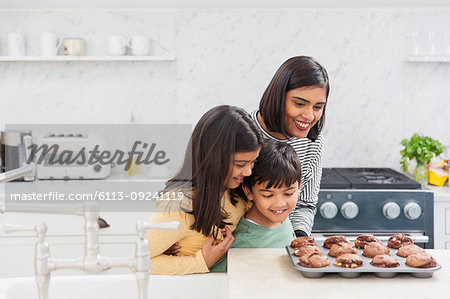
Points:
(407, 250)
(309, 249)
(340, 249)
(334, 240)
(399, 240)
(372, 249)
(363, 240)
(349, 260)
(303, 241)
(313, 261)
(384, 261)
(421, 260)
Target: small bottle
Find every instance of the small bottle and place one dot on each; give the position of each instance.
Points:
(415, 43)
(432, 43)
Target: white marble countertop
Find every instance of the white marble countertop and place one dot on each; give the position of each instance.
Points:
(268, 273)
(440, 193)
(73, 184)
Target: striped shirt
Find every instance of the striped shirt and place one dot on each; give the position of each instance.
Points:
(310, 154)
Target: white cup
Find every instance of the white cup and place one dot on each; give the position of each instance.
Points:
(50, 44)
(16, 44)
(117, 45)
(73, 46)
(139, 45)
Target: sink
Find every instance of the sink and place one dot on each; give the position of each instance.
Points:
(212, 285)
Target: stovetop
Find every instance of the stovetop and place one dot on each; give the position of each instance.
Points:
(365, 178)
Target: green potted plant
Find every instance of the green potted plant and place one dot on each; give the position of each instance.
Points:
(422, 148)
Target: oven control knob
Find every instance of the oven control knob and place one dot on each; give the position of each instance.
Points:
(412, 211)
(391, 210)
(328, 210)
(349, 210)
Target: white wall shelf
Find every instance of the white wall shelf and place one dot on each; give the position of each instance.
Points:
(233, 4)
(87, 58)
(429, 58)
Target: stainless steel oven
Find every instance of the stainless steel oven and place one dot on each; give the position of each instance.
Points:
(382, 209)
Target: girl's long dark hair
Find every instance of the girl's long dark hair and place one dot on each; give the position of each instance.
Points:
(218, 135)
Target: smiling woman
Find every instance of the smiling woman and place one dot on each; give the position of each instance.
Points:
(292, 110)
(303, 108)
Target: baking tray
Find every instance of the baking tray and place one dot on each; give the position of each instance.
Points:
(366, 268)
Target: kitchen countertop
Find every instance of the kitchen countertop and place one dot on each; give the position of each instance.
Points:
(114, 194)
(123, 183)
(440, 193)
(268, 273)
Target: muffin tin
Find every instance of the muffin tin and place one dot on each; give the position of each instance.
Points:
(366, 268)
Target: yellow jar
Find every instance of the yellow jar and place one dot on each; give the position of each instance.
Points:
(437, 176)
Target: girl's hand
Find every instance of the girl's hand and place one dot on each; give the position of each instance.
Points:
(173, 250)
(213, 253)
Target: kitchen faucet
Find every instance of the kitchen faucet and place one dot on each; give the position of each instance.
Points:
(27, 170)
(92, 261)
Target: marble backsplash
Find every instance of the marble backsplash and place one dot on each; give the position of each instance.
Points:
(377, 98)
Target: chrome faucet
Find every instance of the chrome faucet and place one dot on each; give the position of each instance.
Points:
(27, 170)
(92, 261)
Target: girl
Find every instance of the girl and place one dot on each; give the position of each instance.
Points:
(292, 110)
(224, 146)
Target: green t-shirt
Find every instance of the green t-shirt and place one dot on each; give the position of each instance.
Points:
(251, 235)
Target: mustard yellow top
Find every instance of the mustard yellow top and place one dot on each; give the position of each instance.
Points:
(189, 258)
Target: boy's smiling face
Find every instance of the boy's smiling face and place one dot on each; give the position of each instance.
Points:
(271, 205)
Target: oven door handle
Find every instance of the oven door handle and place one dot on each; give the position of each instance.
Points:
(416, 237)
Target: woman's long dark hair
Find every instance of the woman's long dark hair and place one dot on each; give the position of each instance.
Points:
(296, 72)
(218, 135)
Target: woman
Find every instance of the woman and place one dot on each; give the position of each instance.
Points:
(292, 110)
(224, 145)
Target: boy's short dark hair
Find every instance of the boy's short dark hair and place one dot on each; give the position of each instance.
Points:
(277, 164)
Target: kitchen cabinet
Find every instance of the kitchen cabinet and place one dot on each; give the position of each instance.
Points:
(193, 286)
(65, 232)
(65, 237)
(441, 217)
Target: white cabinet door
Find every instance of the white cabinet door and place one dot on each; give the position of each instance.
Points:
(65, 237)
(447, 227)
(441, 222)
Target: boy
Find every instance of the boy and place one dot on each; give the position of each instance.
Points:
(273, 187)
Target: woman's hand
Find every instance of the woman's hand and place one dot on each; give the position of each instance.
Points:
(213, 253)
(173, 250)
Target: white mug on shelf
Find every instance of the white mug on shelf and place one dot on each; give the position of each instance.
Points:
(73, 46)
(16, 44)
(50, 44)
(117, 45)
(139, 45)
